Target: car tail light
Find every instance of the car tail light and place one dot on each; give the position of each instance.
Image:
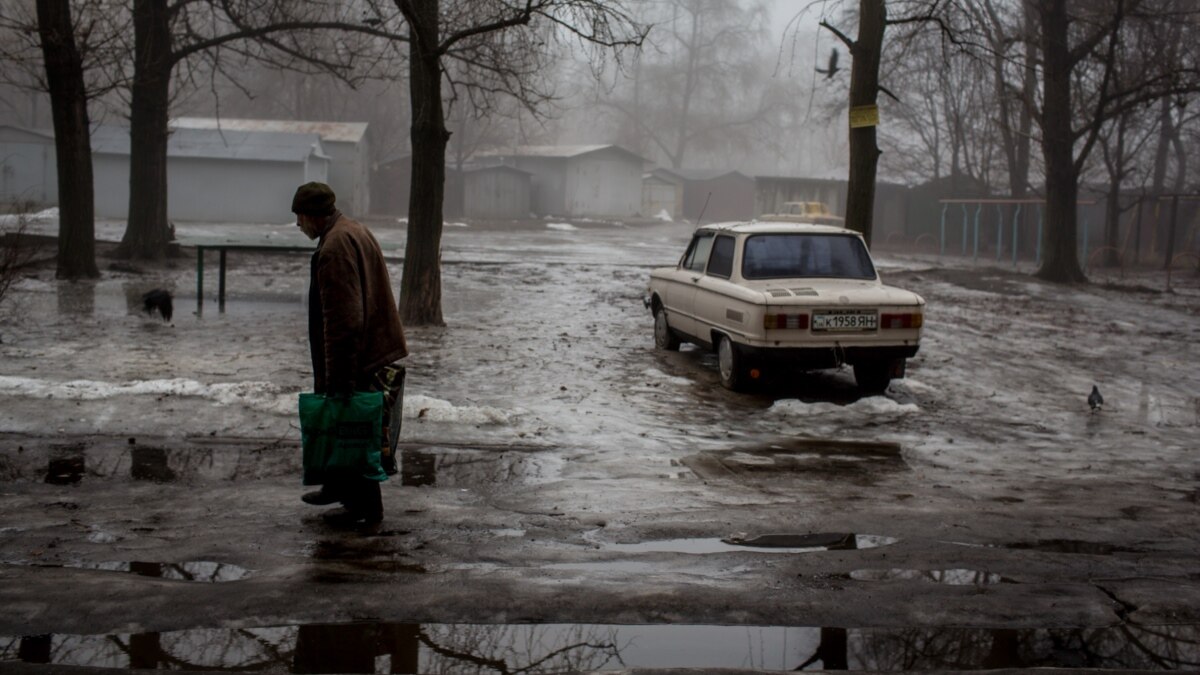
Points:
(785, 321)
(907, 320)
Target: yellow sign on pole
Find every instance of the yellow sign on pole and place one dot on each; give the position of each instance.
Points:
(864, 116)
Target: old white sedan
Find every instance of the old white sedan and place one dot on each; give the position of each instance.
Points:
(780, 296)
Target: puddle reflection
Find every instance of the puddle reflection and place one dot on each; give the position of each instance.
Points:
(770, 543)
(553, 648)
(197, 571)
(951, 577)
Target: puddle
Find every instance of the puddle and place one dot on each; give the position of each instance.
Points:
(544, 648)
(1072, 546)
(856, 461)
(950, 577)
(198, 571)
(771, 543)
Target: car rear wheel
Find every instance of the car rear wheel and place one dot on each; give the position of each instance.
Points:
(731, 365)
(873, 377)
(664, 337)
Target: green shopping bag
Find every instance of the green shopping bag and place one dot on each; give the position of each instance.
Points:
(341, 433)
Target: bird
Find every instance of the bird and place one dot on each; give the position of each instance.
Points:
(830, 70)
(1095, 400)
(161, 300)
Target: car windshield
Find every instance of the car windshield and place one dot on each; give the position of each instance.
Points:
(777, 256)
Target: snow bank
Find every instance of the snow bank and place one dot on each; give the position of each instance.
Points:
(437, 410)
(262, 396)
(564, 227)
(872, 406)
(664, 216)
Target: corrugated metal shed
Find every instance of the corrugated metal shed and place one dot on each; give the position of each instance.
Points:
(496, 192)
(212, 144)
(578, 180)
(346, 144)
(27, 166)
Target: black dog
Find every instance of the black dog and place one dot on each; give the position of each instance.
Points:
(160, 300)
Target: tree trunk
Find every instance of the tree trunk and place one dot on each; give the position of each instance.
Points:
(1060, 262)
(864, 89)
(148, 231)
(421, 285)
(72, 142)
(1112, 211)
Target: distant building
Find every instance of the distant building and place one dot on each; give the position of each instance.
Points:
(662, 191)
(27, 166)
(391, 182)
(212, 176)
(602, 181)
(715, 195)
(891, 200)
(496, 192)
(346, 143)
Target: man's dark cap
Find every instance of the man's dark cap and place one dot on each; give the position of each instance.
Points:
(313, 199)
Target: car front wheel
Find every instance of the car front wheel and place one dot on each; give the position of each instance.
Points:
(664, 337)
(730, 363)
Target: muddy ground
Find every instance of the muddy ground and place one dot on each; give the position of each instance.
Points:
(572, 499)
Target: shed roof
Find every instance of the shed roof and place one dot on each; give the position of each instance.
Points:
(214, 144)
(28, 133)
(557, 151)
(707, 174)
(338, 132)
(496, 167)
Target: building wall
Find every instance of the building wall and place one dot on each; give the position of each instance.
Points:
(606, 183)
(212, 190)
(659, 195)
(495, 194)
(350, 176)
(27, 168)
(728, 197)
(547, 184)
(772, 192)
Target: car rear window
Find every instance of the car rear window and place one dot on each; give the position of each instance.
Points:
(776, 256)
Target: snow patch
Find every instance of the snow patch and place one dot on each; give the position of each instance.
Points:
(262, 396)
(664, 216)
(436, 410)
(657, 374)
(457, 225)
(872, 406)
(562, 227)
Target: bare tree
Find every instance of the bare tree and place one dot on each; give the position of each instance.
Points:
(701, 82)
(59, 49)
(501, 43)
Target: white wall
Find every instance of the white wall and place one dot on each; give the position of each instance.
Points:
(27, 169)
(607, 183)
(349, 176)
(212, 190)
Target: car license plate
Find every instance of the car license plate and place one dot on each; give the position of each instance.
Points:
(845, 319)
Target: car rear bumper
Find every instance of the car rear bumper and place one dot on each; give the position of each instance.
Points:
(826, 357)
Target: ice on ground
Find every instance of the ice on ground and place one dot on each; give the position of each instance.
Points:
(262, 396)
(437, 410)
(657, 374)
(563, 227)
(871, 406)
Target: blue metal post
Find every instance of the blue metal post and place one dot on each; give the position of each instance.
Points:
(1039, 235)
(999, 230)
(978, 210)
(1016, 221)
(964, 234)
(942, 251)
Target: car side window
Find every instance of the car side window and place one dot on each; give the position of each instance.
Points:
(720, 263)
(697, 256)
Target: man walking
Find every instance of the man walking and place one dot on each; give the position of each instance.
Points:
(354, 333)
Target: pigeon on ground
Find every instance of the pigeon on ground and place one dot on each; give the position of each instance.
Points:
(161, 300)
(1095, 400)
